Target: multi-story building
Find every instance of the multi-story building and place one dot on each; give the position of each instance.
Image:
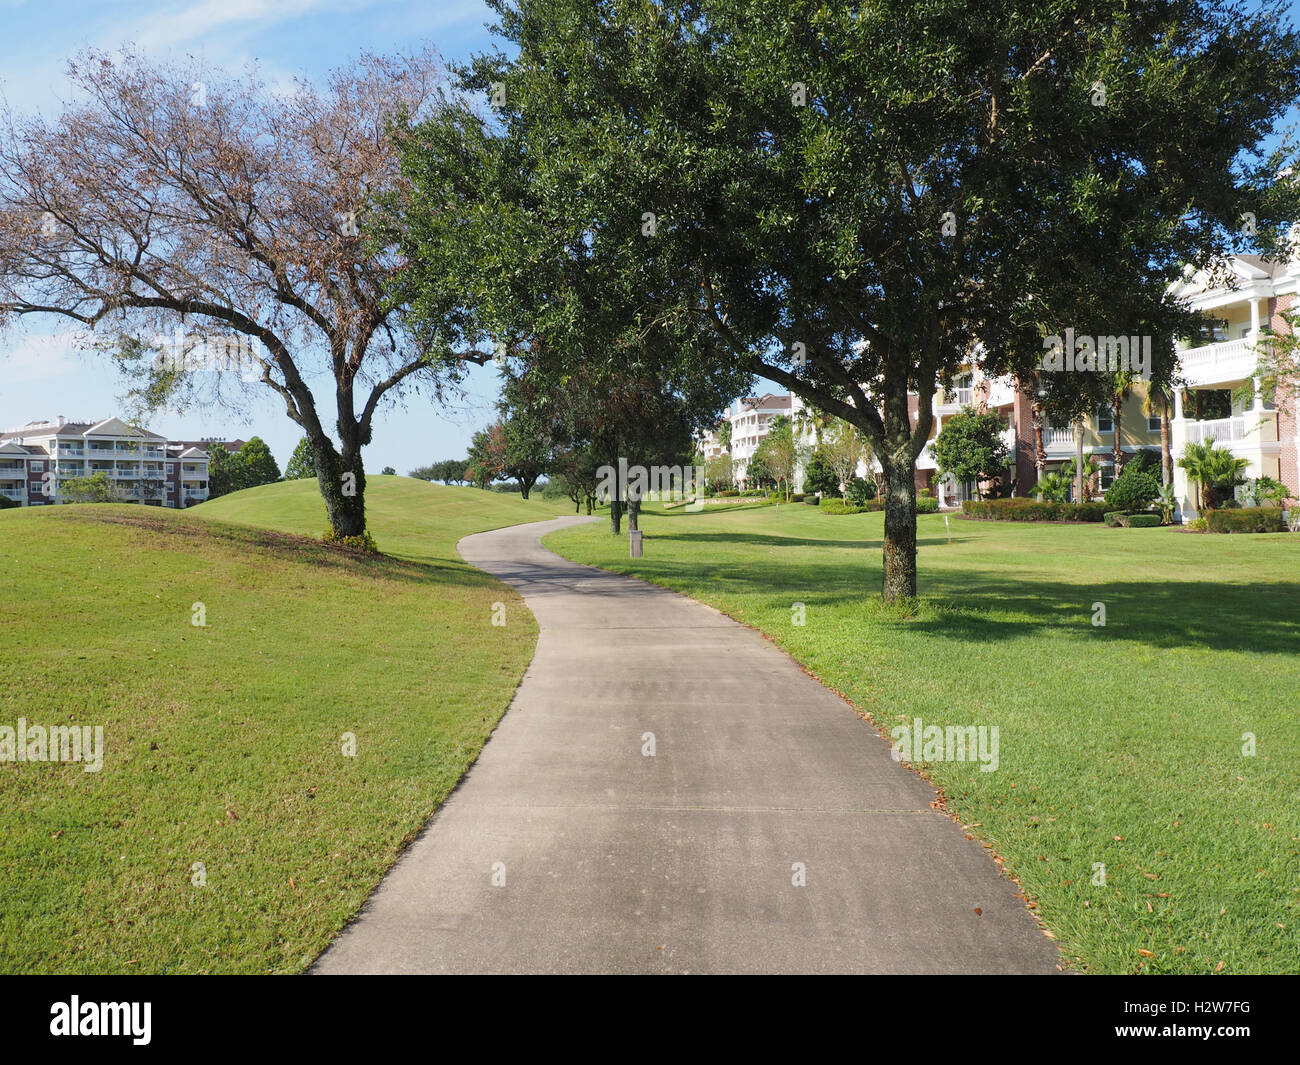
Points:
(1221, 364)
(1215, 369)
(38, 459)
(750, 420)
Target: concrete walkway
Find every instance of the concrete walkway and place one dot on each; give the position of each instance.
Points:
(681, 862)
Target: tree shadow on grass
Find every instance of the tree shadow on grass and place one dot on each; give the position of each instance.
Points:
(170, 530)
(969, 606)
(771, 540)
(1165, 614)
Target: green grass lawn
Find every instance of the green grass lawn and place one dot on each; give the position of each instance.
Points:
(1119, 745)
(224, 743)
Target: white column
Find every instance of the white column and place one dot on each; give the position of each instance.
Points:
(1254, 319)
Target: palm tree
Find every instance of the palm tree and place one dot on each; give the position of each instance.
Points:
(1166, 502)
(1158, 401)
(808, 417)
(1216, 471)
(1121, 388)
(1225, 472)
(1078, 459)
(1194, 462)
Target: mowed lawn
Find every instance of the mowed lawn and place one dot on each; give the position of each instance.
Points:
(224, 743)
(1120, 745)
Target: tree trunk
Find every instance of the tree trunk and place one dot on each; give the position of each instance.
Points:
(1040, 452)
(1117, 452)
(344, 495)
(1078, 463)
(900, 532)
(615, 516)
(1166, 448)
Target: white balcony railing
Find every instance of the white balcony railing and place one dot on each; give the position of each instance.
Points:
(1221, 363)
(1221, 430)
(1057, 437)
(12, 493)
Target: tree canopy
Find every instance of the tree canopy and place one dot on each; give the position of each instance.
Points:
(854, 200)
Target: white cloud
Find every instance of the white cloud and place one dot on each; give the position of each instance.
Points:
(42, 357)
(201, 19)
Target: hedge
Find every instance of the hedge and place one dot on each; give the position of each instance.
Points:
(1022, 509)
(812, 501)
(1142, 521)
(1245, 520)
(831, 505)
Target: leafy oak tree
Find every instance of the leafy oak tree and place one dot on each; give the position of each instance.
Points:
(970, 446)
(302, 463)
(853, 197)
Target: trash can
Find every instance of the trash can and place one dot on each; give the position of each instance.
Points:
(634, 542)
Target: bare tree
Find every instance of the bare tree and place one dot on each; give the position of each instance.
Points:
(846, 446)
(170, 200)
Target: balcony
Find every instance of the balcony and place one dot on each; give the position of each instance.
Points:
(1221, 430)
(1058, 438)
(16, 494)
(71, 452)
(1218, 364)
(13, 469)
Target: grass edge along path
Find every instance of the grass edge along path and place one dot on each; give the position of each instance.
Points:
(1121, 746)
(228, 830)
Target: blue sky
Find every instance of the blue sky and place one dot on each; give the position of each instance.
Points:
(43, 376)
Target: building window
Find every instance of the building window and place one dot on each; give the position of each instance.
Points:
(37, 467)
(1105, 419)
(1106, 475)
(1153, 423)
(1213, 331)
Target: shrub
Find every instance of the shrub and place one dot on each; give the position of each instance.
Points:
(860, 491)
(830, 505)
(838, 506)
(812, 501)
(6, 503)
(364, 544)
(1198, 525)
(1245, 520)
(1111, 518)
(1145, 461)
(1021, 509)
(1143, 521)
(1133, 490)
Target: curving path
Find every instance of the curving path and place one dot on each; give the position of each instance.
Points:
(618, 862)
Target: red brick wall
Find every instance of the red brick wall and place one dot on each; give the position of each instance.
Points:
(1026, 467)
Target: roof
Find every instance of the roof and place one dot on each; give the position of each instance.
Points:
(770, 401)
(1271, 268)
(206, 445)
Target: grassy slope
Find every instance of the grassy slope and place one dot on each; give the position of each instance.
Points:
(224, 742)
(1120, 745)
